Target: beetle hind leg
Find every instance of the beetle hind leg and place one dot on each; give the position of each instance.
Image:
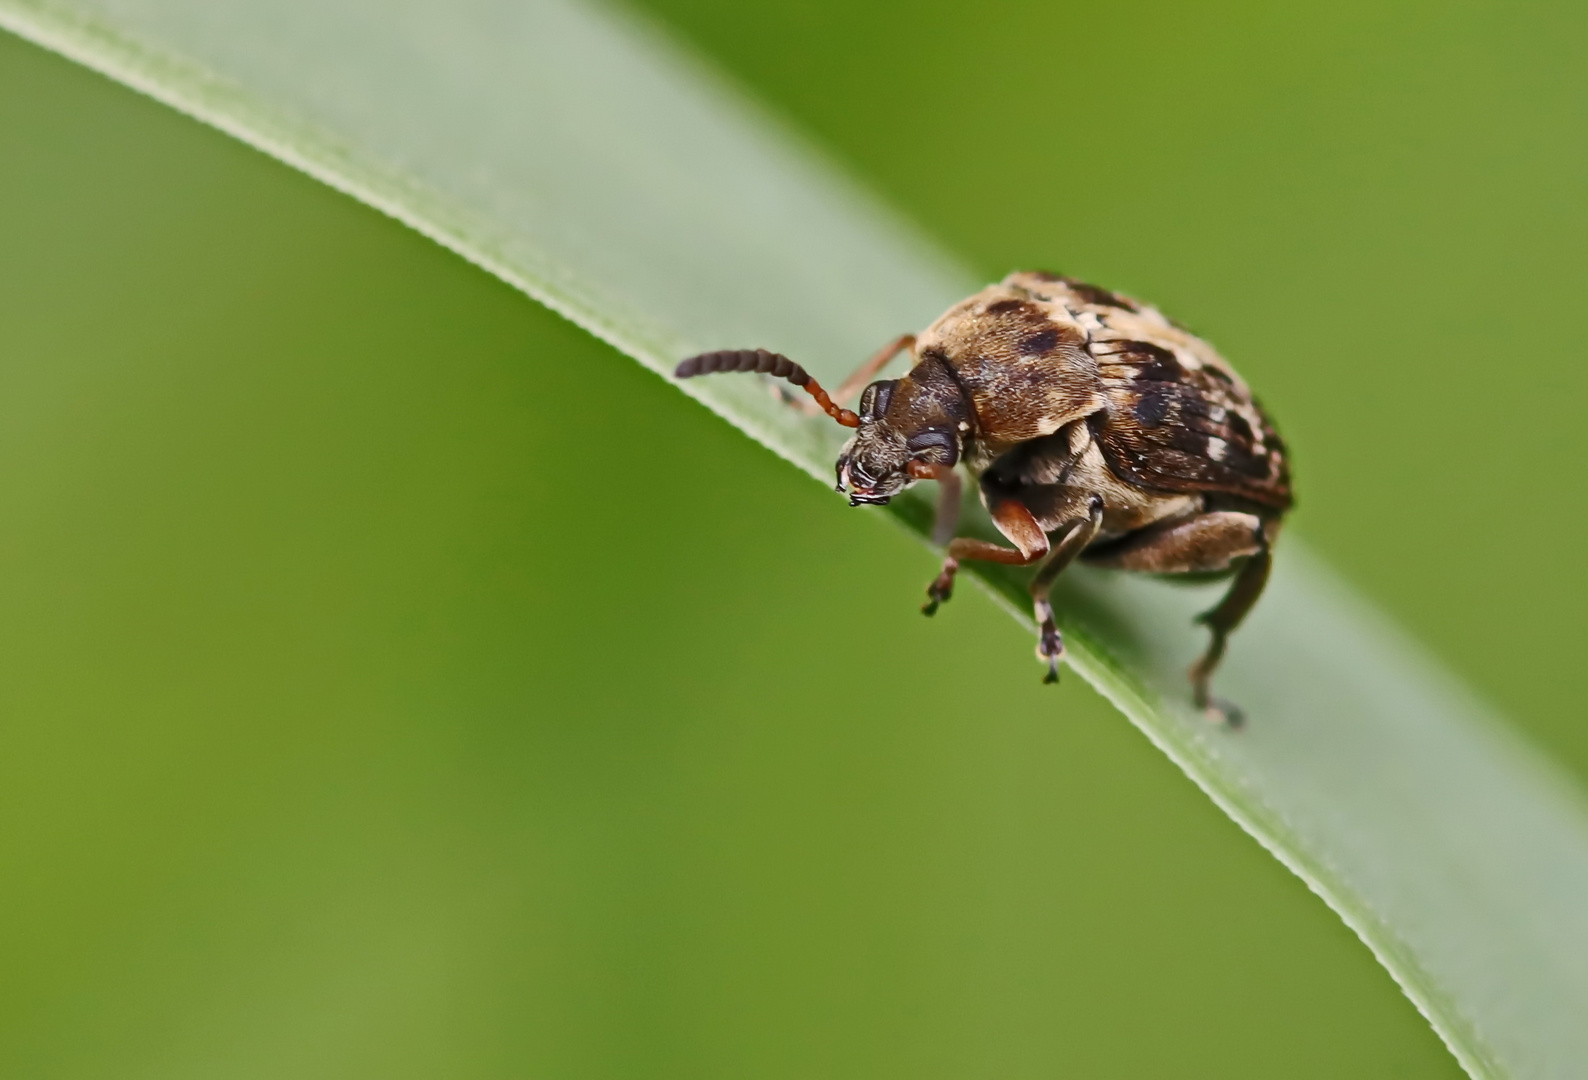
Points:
(1221, 621)
(1209, 542)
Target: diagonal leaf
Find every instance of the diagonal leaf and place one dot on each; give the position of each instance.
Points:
(578, 156)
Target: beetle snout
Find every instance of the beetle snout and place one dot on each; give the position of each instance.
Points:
(871, 467)
(864, 489)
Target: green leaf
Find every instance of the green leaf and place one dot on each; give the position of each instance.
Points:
(578, 155)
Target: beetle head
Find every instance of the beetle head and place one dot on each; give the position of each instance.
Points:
(908, 429)
(902, 438)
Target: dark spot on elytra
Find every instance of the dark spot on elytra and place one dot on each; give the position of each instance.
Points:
(1238, 425)
(1153, 363)
(1049, 275)
(1147, 349)
(1040, 343)
(1255, 465)
(1152, 408)
(1004, 307)
(1092, 294)
(1192, 443)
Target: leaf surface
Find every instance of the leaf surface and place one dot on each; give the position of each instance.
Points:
(580, 156)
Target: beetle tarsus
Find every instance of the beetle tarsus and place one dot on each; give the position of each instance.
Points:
(1050, 644)
(942, 587)
(1221, 621)
(1214, 710)
(1221, 712)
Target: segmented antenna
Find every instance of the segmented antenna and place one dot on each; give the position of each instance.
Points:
(770, 363)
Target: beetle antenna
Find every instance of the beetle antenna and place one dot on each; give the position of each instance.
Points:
(770, 363)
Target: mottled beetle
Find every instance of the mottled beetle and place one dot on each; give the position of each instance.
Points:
(1082, 414)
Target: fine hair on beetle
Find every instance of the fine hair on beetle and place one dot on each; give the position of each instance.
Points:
(1095, 429)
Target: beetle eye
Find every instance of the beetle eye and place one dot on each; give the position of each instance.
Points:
(874, 399)
(932, 439)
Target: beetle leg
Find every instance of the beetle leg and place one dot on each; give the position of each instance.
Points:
(942, 587)
(862, 375)
(1078, 534)
(1209, 542)
(1221, 620)
(850, 388)
(944, 522)
(1015, 522)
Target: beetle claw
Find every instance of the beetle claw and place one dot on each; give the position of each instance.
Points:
(1050, 645)
(1224, 713)
(941, 589)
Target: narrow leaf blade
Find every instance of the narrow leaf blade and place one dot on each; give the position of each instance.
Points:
(582, 158)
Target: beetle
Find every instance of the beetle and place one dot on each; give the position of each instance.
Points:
(1094, 427)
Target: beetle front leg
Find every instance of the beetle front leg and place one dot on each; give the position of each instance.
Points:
(1080, 533)
(949, 496)
(1015, 522)
(942, 588)
(851, 387)
(944, 522)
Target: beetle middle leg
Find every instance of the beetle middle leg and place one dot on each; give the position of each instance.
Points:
(1078, 534)
(944, 522)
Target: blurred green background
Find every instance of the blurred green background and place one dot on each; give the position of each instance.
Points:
(365, 711)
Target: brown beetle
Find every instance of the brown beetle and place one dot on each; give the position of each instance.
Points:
(1085, 416)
